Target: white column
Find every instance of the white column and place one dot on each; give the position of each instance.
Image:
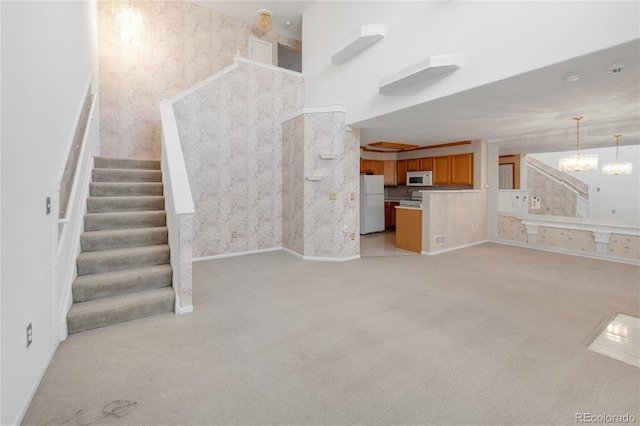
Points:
(532, 233)
(602, 241)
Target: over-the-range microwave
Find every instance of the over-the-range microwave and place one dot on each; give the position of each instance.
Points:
(419, 179)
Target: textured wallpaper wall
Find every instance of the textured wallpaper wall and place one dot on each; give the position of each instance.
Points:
(324, 218)
(293, 184)
(179, 45)
(313, 222)
(555, 199)
(231, 137)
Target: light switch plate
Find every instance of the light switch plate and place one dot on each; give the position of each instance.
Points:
(333, 196)
(352, 196)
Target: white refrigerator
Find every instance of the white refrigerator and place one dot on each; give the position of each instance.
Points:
(371, 203)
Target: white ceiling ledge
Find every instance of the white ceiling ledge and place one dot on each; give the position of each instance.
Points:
(359, 40)
(433, 66)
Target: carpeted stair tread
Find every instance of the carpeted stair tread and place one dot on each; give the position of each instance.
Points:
(127, 203)
(125, 163)
(97, 262)
(126, 175)
(97, 286)
(100, 189)
(124, 220)
(111, 310)
(110, 239)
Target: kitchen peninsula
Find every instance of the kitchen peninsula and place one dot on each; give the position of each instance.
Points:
(447, 220)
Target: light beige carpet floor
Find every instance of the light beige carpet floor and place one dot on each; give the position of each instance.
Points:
(487, 335)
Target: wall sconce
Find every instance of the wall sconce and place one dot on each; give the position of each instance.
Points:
(264, 19)
(130, 24)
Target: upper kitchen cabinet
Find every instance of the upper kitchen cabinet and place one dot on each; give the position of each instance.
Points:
(378, 167)
(390, 173)
(413, 165)
(366, 166)
(401, 167)
(441, 170)
(425, 164)
(462, 169)
(453, 169)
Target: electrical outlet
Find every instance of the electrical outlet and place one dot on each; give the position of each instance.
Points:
(333, 196)
(352, 196)
(353, 235)
(234, 234)
(29, 335)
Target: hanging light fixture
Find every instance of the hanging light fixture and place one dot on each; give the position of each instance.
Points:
(578, 162)
(129, 22)
(617, 168)
(264, 19)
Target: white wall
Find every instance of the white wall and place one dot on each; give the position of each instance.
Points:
(482, 33)
(48, 52)
(608, 192)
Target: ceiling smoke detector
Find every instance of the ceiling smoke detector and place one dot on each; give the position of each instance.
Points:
(616, 68)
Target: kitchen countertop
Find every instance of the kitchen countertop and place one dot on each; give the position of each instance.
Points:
(408, 208)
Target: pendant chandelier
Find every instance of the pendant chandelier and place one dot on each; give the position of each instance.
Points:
(617, 168)
(578, 162)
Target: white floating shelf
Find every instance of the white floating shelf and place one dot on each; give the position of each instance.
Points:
(359, 40)
(433, 66)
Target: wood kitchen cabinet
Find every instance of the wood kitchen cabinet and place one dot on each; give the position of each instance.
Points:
(425, 164)
(441, 170)
(453, 169)
(401, 167)
(413, 165)
(390, 173)
(390, 214)
(366, 166)
(378, 167)
(409, 229)
(462, 169)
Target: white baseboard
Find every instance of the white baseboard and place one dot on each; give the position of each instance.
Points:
(240, 253)
(433, 253)
(179, 310)
(321, 259)
(331, 259)
(243, 253)
(616, 259)
(34, 390)
(294, 253)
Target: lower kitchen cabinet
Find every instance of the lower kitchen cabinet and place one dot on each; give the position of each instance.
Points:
(390, 214)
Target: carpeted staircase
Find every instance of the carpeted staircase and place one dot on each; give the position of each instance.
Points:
(123, 268)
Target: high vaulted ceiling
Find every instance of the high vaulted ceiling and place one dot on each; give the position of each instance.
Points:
(527, 113)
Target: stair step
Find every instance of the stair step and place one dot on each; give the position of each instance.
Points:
(97, 286)
(125, 163)
(126, 175)
(98, 189)
(111, 310)
(98, 262)
(124, 220)
(110, 239)
(119, 204)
